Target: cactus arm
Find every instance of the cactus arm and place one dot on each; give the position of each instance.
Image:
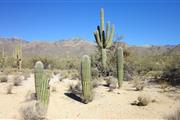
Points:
(109, 44)
(102, 19)
(107, 32)
(96, 35)
(103, 39)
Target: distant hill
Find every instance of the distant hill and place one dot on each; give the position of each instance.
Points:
(78, 47)
(61, 48)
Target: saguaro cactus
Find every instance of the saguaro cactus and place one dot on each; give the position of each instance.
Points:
(41, 84)
(18, 55)
(120, 72)
(86, 79)
(104, 39)
(2, 60)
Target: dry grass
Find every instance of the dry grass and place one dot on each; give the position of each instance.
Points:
(174, 116)
(33, 111)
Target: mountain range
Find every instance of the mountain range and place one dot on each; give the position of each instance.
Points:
(78, 47)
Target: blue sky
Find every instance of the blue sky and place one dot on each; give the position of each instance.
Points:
(142, 22)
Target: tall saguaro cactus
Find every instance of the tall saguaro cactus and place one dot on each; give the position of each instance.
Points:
(17, 54)
(120, 67)
(41, 84)
(2, 60)
(104, 38)
(86, 79)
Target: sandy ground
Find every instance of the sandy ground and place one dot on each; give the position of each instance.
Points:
(106, 105)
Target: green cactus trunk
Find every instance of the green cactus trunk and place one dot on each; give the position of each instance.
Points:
(120, 67)
(2, 61)
(41, 84)
(104, 57)
(104, 38)
(86, 79)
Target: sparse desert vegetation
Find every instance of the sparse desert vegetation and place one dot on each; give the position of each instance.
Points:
(109, 80)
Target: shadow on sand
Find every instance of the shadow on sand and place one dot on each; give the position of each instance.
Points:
(73, 96)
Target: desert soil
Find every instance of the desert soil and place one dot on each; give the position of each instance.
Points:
(106, 105)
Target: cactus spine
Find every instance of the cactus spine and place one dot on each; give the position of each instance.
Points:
(41, 84)
(86, 79)
(120, 72)
(104, 39)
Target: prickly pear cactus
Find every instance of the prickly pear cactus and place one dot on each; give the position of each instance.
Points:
(86, 79)
(41, 84)
(120, 71)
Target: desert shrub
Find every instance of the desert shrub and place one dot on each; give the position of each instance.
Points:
(174, 116)
(46, 60)
(143, 100)
(67, 63)
(17, 81)
(110, 69)
(33, 111)
(171, 73)
(76, 89)
(30, 96)
(53, 89)
(138, 83)
(111, 82)
(3, 78)
(95, 83)
(9, 89)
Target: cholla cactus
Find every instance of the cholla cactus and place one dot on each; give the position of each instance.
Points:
(86, 79)
(120, 71)
(41, 84)
(104, 38)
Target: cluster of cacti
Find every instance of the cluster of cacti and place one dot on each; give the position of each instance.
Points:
(120, 72)
(104, 38)
(17, 55)
(41, 84)
(2, 60)
(86, 79)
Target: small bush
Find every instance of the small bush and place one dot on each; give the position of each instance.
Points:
(17, 81)
(95, 83)
(3, 78)
(30, 96)
(76, 89)
(174, 116)
(143, 100)
(53, 89)
(33, 111)
(138, 83)
(111, 82)
(9, 89)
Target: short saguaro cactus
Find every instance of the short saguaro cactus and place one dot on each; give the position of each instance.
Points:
(41, 84)
(120, 67)
(86, 79)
